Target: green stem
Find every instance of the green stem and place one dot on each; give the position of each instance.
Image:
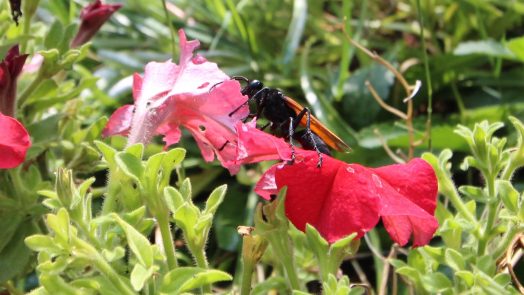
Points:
(167, 239)
(248, 267)
(201, 261)
(448, 189)
(506, 240)
(427, 72)
(89, 252)
(113, 276)
(171, 30)
(280, 244)
(25, 32)
(32, 87)
(509, 169)
(460, 102)
(492, 213)
(11, 289)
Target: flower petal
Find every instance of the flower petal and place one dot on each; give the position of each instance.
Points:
(337, 199)
(120, 121)
(409, 198)
(415, 180)
(254, 145)
(14, 142)
(266, 186)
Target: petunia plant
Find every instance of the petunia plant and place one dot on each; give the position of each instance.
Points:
(479, 224)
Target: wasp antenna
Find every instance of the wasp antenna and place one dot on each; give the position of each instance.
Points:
(213, 87)
(240, 78)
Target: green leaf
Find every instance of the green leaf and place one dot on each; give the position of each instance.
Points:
(487, 265)
(42, 243)
(185, 279)
(9, 223)
(60, 224)
(186, 217)
(473, 192)
(466, 276)
(509, 195)
(276, 283)
(136, 150)
(137, 242)
(139, 276)
(316, 242)
(409, 272)
(454, 259)
(54, 284)
(16, 256)
(55, 35)
(295, 31)
(436, 282)
(114, 254)
(484, 47)
(131, 165)
(185, 189)
(215, 199)
(108, 152)
(173, 198)
(516, 46)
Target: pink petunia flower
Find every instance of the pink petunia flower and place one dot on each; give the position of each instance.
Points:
(93, 16)
(14, 142)
(339, 199)
(169, 96)
(10, 68)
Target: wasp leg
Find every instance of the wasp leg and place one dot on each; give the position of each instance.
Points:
(309, 133)
(239, 107)
(291, 132)
(262, 92)
(265, 126)
(223, 146)
(213, 87)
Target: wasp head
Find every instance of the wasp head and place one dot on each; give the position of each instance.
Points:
(252, 88)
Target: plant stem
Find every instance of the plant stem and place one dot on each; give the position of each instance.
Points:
(248, 267)
(506, 240)
(280, 245)
(25, 32)
(171, 30)
(89, 252)
(11, 289)
(32, 87)
(492, 213)
(112, 275)
(167, 239)
(448, 189)
(427, 72)
(509, 169)
(201, 261)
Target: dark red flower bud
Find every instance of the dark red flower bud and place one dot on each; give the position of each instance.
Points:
(93, 16)
(10, 68)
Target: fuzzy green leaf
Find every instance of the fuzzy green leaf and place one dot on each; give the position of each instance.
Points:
(185, 279)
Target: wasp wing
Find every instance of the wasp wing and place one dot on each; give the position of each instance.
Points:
(318, 128)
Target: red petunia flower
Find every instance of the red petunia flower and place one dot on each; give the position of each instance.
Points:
(339, 199)
(14, 142)
(10, 68)
(93, 16)
(187, 94)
